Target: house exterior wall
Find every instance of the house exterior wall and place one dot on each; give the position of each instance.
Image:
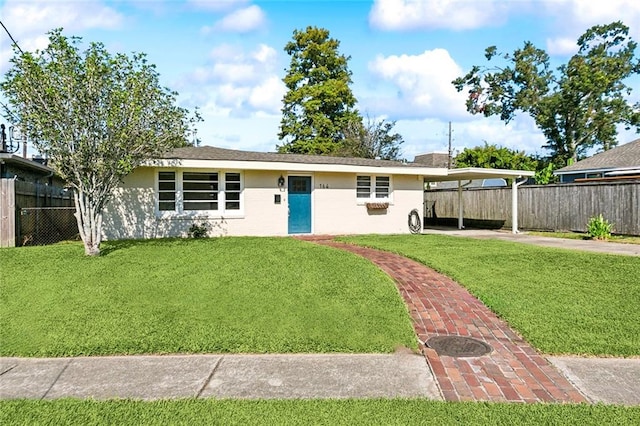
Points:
(337, 211)
(132, 212)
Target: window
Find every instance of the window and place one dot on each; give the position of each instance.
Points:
(197, 191)
(232, 191)
(382, 186)
(167, 191)
(200, 191)
(373, 188)
(363, 187)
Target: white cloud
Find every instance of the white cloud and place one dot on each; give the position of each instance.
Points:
(431, 135)
(265, 54)
(216, 5)
(231, 64)
(268, 95)
(562, 46)
(429, 14)
(520, 134)
(238, 83)
(597, 12)
(574, 17)
(29, 21)
(422, 100)
(422, 85)
(242, 21)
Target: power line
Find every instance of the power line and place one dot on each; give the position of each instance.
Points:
(11, 37)
(4, 106)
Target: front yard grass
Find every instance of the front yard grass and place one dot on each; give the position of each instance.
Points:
(561, 301)
(310, 412)
(224, 295)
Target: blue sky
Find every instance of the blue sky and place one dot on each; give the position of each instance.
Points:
(227, 57)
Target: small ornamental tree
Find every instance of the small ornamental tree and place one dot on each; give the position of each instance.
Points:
(96, 116)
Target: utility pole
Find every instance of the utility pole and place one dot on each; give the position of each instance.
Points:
(450, 151)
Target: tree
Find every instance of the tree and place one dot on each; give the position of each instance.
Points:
(576, 107)
(96, 116)
(319, 103)
(495, 157)
(371, 139)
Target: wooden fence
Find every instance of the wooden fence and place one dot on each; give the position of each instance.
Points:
(24, 217)
(562, 207)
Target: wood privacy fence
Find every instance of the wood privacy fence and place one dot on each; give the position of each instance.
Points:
(562, 207)
(33, 213)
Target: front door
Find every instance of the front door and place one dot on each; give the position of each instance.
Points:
(299, 204)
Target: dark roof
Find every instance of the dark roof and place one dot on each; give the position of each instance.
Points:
(620, 157)
(24, 163)
(213, 153)
(433, 159)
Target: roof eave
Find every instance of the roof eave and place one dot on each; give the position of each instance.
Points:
(471, 173)
(25, 162)
(593, 170)
(282, 166)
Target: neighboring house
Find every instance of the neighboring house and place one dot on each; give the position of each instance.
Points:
(23, 169)
(26, 185)
(433, 159)
(268, 194)
(620, 162)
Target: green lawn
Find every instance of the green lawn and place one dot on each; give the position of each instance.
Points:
(310, 412)
(256, 295)
(561, 301)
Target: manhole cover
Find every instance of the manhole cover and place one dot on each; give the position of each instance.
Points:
(458, 346)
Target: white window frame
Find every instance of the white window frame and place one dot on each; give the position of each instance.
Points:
(373, 189)
(180, 212)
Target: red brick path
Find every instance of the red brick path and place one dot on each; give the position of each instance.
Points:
(439, 306)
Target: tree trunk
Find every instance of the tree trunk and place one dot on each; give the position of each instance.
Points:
(89, 220)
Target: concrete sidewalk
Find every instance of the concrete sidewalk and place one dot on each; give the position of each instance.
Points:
(609, 381)
(564, 243)
(219, 376)
(606, 380)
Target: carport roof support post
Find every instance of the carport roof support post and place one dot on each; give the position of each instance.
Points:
(514, 204)
(460, 207)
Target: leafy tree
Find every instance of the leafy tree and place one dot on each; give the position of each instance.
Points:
(371, 138)
(319, 104)
(544, 175)
(577, 106)
(96, 116)
(495, 157)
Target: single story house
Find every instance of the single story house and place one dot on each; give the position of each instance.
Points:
(620, 162)
(269, 194)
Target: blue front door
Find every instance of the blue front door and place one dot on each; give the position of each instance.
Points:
(299, 204)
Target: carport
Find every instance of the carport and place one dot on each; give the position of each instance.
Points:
(465, 176)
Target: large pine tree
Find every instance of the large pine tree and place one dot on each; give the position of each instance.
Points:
(319, 104)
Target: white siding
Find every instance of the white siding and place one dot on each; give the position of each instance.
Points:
(338, 212)
(132, 211)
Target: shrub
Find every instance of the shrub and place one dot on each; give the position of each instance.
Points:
(599, 228)
(198, 231)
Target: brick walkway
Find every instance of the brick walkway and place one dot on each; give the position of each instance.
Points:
(513, 371)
